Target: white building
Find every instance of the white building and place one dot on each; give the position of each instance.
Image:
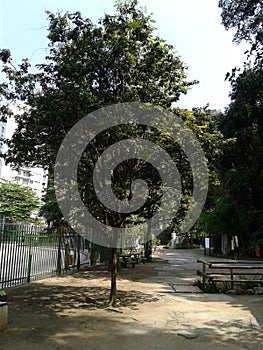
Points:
(34, 178)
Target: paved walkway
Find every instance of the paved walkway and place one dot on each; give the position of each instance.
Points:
(179, 273)
(198, 314)
(160, 313)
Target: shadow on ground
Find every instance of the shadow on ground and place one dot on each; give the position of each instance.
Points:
(50, 315)
(59, 298)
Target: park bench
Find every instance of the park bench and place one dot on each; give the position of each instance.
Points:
(234, 272)
(124, 260)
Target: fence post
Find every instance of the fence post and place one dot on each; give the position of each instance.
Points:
(29, 267)
(29, 261)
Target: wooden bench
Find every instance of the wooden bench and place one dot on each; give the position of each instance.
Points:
(212, 272)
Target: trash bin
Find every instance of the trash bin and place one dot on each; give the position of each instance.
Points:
(258, 252)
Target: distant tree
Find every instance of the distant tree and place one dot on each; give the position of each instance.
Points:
(241, 165)
(225, 217)
(242, 169)
(17, 203)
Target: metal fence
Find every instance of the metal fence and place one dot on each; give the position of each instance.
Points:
(30, 252)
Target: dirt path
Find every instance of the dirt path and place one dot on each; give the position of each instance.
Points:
(70, 312)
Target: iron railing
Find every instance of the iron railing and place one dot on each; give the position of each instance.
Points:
(30, 252)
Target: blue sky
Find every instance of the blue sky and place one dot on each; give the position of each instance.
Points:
(194, 27)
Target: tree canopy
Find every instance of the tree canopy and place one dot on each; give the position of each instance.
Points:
(241, 162)
(89, 65)
(246, 17)
(17, 203)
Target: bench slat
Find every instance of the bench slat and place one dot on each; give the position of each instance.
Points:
(235, 266)
(248, 273)
(236, 281)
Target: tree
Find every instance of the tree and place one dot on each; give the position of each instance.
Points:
(242, 161)
(17, 203)
(89, 66)
(246, 16)
(225, 217)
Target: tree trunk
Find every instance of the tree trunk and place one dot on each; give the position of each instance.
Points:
(92, 254)
(148, 244)
(113, 291)
(78, 256)
(59, 257)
